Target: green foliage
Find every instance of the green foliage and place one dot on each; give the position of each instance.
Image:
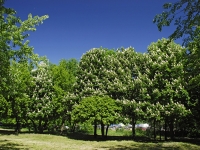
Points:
(20, 77)
(184, 15)
(100, 109)
(14, 54)
(63, 80)
(140, 132)
(86, 127)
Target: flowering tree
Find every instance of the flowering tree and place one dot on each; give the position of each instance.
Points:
(165, 72)
(114, 73)
(102, 72)
(42, 95)
(135, 90)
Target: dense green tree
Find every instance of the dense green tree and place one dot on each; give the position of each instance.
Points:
(13, 45)
(18, 98)
(97, 110)
(185, 16)
(193, 78)
(63, 80)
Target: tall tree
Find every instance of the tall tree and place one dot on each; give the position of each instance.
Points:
(193, 78)
(18, 98)
(132, 99)
(166, 77)
(13, 44)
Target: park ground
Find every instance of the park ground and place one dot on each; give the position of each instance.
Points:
(115, 141)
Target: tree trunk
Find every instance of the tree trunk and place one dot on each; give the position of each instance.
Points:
(160, 130)
(17, 129)
(133, 126)
(95, 129)
(165, 129)
(34, 125)
(73, 128)
(102, 129)
(154, 128)
(107, 130)
(171, 127)
(40, 127)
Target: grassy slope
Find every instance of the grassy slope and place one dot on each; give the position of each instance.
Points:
(52, 142)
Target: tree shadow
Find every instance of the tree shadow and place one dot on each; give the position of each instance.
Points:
(7, 145)
(195, 141)
(88, 137)
(142, 142)
(7, 132)
(139, 147)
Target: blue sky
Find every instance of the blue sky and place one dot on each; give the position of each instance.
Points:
(76, 26)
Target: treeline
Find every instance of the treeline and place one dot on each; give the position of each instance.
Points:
(104, 87)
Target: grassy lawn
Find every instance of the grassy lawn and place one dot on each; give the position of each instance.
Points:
(51, 142)
(30, 141)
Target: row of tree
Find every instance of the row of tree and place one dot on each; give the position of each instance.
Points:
(104, 87)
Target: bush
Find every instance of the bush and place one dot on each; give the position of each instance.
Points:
(140, 132)
(86, 128)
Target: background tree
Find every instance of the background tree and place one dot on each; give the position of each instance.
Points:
(42, 94)
(64, 77)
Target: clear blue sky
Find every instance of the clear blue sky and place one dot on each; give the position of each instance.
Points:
(76, 26)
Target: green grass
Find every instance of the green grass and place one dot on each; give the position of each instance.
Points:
(84, 142)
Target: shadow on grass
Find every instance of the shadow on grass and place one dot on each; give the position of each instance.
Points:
(141, 142)
(140, 146)
(87, 137)
(7, 145)
(195, 141)
(7, 131)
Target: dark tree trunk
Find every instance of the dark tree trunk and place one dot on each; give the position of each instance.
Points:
(40, 126)
(154, 128)
(73, 127)
(160, 130)
(133, 126)
(95, 129)
(171, 127)
(165, 129)
(107, 130)
(34, 125)
(102, 129)
(17, 128)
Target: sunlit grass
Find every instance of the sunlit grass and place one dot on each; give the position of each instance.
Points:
(51, 142)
